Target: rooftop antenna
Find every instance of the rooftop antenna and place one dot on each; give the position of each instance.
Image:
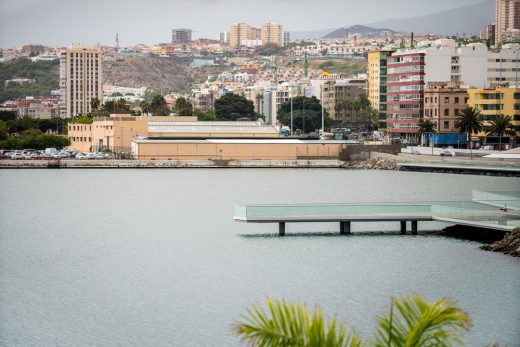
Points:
(117, 40)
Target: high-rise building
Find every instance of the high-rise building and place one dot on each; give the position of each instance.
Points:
(405, 93)
(286, 38)
(239, 32)
(256, 34)
(377, 71)
(223, 37)
(507, 17)
(81, 79)
(181, 35)
(272, 33)
(488, 33)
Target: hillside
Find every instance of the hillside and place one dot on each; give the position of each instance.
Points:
(155, 73)
(45, 74)
(357, 29)
(467, 19)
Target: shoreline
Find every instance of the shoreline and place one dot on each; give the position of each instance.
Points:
(377, 163)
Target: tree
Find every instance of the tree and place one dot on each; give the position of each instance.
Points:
(364, 101)
(370, 116)
(145, 107)
(158, 106)
(94, 104)
(427, 127)
(500, 126)
(7, 115)
(3, 130)
(410, 321)
(469, 122)
(306, 114)
(204, 116)
(232, 106)
(183, 107)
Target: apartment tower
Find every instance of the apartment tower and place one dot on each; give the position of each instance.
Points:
(181, 35)
(405, 90)
(377, 78)
(81, 79)
(272, 33)
(239, 32)
(507, 17)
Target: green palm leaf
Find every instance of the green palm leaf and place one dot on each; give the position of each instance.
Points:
(290, 325)
(415, 322)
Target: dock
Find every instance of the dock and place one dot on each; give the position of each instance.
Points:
(491, 210)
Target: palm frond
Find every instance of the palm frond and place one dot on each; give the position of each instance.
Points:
(417, 322)
(283, 324)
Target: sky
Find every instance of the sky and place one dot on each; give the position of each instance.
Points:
(66, 22)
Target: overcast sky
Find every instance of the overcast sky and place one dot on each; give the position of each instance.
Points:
(63, 22)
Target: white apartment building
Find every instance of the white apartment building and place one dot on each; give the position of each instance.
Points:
(81, 79)
(473, 65)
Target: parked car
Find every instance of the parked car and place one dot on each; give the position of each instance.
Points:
(81, 156)
(17, 156)
(91, 155)
(99, 155)
(446, 154)
(416, 152)
(46, 156)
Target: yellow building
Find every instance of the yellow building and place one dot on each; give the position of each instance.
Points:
(114, 133)
(376, 72)
(239, 32)
(496, 101)
(272, 33)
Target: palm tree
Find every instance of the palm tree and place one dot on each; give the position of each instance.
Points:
(364, 101)
(356, 106)
(94, 104)
(410, 321)
(427, 127)
(145, 106)
(500, 126)
(469, 122)
(370, 116)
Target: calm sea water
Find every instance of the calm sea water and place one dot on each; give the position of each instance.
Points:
(154, 258)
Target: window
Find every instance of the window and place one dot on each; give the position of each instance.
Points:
(456, 113)
(446, 100)
(446, 111)
(446, 125)
(456, 99)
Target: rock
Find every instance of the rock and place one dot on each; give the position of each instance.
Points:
(509, 245)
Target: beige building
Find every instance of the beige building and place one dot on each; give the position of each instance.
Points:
(272, 33)
(114, 133)
(507, 16)
(443, 102)
(239, 32)
(334, 92)
(81, 79)
(236, 149)
(211, 130)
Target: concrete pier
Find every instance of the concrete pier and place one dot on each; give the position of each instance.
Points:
(344, 227)
(281, 228)
(403, 227)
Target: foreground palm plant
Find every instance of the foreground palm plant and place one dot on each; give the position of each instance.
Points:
(411, 322)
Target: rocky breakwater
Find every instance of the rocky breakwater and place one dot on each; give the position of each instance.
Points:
(509, 245)
(373, 164)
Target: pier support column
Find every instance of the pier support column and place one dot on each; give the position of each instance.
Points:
(414, 227)
(344, 227)
(281, 228)
(403, 227)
